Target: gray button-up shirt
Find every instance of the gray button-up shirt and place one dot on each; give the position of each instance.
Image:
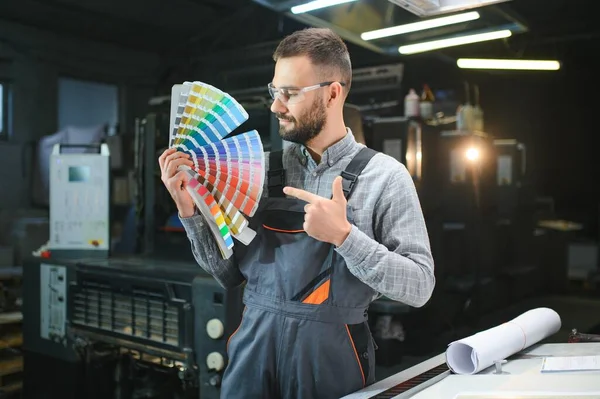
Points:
(388, 247)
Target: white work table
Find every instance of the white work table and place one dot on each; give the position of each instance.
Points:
(523, 378)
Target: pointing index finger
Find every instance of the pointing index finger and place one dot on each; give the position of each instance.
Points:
(301, 194)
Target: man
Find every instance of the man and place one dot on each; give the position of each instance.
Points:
(319, 259)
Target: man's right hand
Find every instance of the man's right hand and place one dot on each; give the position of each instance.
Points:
(176, 181)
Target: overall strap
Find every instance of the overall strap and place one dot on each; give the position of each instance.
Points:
(354, 169)
(276, 174)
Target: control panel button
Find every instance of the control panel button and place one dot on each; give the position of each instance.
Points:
(215, 328)
(215, 361)
(215, 380)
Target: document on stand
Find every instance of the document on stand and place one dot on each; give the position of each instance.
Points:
(472, 354)
(570, 363)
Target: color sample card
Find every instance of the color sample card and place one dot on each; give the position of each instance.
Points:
(226, 181)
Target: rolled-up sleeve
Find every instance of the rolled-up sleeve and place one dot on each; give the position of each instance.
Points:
(207, 253)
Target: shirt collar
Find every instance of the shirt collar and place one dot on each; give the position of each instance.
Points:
(333, 153)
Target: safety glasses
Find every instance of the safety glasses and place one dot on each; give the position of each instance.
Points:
(294, 95)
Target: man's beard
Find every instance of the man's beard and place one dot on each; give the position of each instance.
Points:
(309, 126)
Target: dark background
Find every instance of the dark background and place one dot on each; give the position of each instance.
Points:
(146, 46)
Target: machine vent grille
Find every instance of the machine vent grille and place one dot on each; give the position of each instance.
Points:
(419, 382)
(138, 313)
(388, 82)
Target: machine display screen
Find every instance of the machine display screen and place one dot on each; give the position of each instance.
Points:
(79, 174)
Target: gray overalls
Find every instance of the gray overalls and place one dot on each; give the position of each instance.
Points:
(304, 331)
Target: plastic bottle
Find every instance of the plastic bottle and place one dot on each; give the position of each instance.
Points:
(411, 104)
(464, 113)
(467, 116)
(426, 104)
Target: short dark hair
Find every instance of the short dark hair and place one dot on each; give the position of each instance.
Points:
(323, 47)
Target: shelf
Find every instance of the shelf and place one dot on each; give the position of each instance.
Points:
(455, 133)
(11, 369)
(11, 317)
(11, 366)
(13, 340)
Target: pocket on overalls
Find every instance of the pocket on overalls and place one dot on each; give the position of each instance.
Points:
(281, 230)
(359, 338)
(316, 292)
(284, 221)
(292, 265)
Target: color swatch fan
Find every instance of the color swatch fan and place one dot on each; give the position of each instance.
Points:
(227, 178)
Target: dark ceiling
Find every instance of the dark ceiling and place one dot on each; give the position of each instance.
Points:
(227, 32)
(562, 29)
(175, 26)
(160, 25)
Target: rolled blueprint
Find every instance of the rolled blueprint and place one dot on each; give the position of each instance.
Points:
(472, 354)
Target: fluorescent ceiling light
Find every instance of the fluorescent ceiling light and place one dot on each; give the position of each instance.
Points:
(422, 25)
(315, 5)
(453, 41)
(532, 65)
(427, 8)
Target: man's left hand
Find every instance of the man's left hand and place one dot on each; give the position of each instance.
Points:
(325, 219)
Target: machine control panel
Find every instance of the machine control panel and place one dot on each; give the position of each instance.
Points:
(79, 200)
(53, 302)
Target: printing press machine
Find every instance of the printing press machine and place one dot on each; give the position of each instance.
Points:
(125, 328)
(143, 328)
(520, 377)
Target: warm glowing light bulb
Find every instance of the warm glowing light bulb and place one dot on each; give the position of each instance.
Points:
(472, 154)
